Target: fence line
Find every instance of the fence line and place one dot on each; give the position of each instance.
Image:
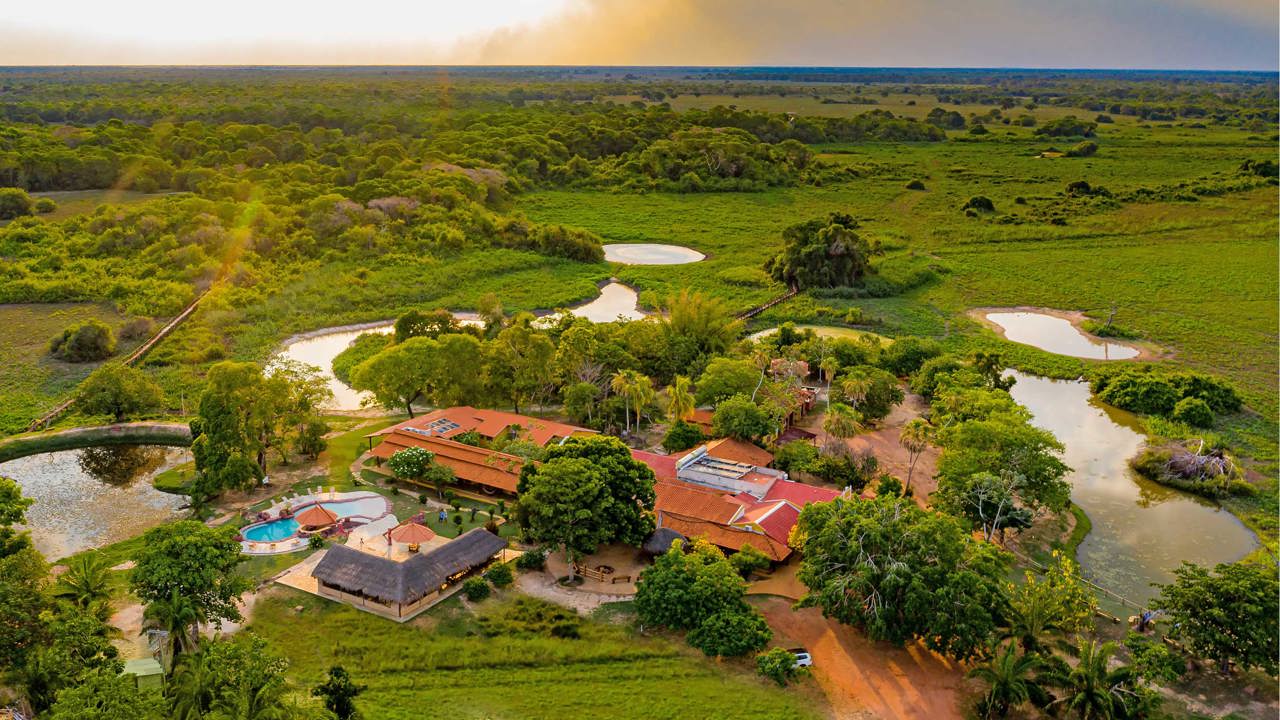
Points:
(146, 347)
(748, 314)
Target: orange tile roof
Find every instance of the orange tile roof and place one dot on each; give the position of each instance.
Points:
(490, 424)
(693, 501)
(702, 418)
(478, 465)
(726, 537)
(316, 516)
(739, 451)
(663, 466)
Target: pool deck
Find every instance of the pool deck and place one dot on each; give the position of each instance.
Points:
(378, 507)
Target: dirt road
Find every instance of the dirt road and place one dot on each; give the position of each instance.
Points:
(863, 679)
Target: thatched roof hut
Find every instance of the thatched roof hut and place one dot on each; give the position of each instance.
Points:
(385, 580)
(660, 541)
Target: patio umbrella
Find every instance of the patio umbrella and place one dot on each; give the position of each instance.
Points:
(316, 516)
(411, 533)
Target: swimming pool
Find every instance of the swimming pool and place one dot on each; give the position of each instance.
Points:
(283, 528)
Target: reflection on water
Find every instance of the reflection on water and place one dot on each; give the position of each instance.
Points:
(616, 300)
(120, 465)
(650, 254)
(83, 502)
(1141, 530)
(1057, 335)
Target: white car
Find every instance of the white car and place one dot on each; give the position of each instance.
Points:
(803, 658)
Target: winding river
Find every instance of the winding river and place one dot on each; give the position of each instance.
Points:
(1142, 531)
(96, 496)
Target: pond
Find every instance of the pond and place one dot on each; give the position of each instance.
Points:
(827, 331)
(1142, 531)
(1057, 335)
(651, 254)
(616, 300)
(95, 496)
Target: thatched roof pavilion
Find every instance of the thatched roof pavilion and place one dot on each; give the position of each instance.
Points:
(398, 587)
(660, 541)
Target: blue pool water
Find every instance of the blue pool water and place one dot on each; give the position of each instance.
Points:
(277, 530)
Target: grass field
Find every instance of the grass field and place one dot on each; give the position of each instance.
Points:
(436, 666)
(33, 381)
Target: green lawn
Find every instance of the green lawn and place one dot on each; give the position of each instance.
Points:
(435, 667)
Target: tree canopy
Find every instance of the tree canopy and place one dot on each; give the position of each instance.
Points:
(823, 253)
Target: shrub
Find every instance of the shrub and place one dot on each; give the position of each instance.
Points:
(139, 329)
(731, 633)
(748, 560)
(916, 185)
(682, 436)
(1194, 412)
(1103, 120)
(778, 665)
(89, 341)
(979, 203)
(14, 202)
(45, 206)
(527, 616)
(120, 391)
(1101, 329)
(906, 355)
(889, 485)
(1069, 126)
(1087, 148)
(476, 589)
(500, 575)
(315, 542)
(795, 456)
(532, 560)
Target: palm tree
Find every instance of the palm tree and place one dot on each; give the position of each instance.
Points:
(1092, 690)
(915, 436)
(640, 392)
(620, 383)
(1033, 614)
(179, 617)
(842, 421)
(829, 366)
(192, 688)
(681, 402)
(86, 581)
(1012, 682)
(855, 390)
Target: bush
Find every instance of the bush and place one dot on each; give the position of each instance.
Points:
(532, 560)
(682, 436)
(1100, 329)
(889, 485)
(476, 589)
(500, 575)
(979, 203)
(44, 206)
(121, 391)
(731, 633)
(916, 185)
(89, 341)
(14, 203)
(778, 665)
(1069, 126)
(139, 329)
(906, 355)
(1194, 412)
(795, 456)
(526, 616)
(1087, 148)
(748, 560)
(315, 542)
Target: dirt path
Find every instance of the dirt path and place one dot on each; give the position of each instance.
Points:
(542, 585)
(865, 680)
(883, 443)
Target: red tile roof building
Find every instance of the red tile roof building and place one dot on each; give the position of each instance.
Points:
(481, 466)
(489, 424)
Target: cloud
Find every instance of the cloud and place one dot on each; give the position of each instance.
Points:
(1225, 34)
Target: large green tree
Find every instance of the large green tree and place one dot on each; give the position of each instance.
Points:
(195, 562)
(558, 502)
(1228, 614)
(824, 252)
(230, 429)
(628, 505)
(118, 390)
(107, 695)
(520, 363)
(901, 573)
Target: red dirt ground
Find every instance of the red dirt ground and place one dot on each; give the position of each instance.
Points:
(864, 679)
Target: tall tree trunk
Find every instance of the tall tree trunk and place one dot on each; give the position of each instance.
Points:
(568, 556)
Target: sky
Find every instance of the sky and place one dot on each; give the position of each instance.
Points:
(1162, 34)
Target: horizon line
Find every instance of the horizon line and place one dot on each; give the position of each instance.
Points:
(1010, 68)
